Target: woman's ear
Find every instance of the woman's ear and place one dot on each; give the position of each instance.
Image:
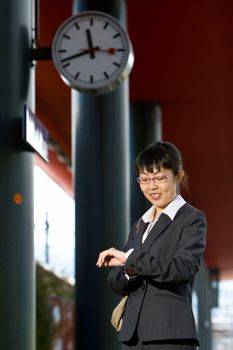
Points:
(180, 176)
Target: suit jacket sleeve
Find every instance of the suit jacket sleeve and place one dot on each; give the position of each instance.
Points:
(182, 264)
(117, 280)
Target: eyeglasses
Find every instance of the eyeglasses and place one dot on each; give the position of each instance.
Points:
(143, 180)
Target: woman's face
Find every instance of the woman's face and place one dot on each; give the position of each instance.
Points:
(162, 189)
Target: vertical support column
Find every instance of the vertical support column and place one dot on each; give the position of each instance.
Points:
(17, 291)
(101, 144)
(145, 128)
(202, 286)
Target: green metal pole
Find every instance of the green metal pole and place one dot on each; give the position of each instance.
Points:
(145, 128)
(202, 287)
(17, 286)
(101, 139)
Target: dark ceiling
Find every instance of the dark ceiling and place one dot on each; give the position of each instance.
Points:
(183, 60)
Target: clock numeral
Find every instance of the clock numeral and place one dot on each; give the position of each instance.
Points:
(116, 64)
(76, 75)
(66, 36)
(91, 79)
(106, 75)
(66, 65)
(106, 24)
(91, 21)
(120, 49)
(62, 50)
(116, 35)
(76, 25)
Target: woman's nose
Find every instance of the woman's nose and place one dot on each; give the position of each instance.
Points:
(153, 184)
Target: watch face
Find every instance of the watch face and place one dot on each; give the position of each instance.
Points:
(92, 52)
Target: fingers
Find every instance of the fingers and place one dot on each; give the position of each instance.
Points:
(111, 257)
(104, 258)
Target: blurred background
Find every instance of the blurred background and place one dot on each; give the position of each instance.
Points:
(70, 190)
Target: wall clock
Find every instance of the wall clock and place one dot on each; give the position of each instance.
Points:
(92, 52)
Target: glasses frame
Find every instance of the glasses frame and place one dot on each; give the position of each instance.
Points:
(154, 179)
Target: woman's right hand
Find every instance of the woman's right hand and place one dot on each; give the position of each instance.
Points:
(111, 257)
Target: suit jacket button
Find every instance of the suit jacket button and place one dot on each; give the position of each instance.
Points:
(132, 266)
(139, 269)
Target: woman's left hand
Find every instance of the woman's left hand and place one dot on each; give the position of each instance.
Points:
(111, 257)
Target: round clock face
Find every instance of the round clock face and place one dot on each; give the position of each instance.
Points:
(92, 52)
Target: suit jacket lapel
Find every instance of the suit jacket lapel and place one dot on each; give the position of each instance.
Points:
(138, 236)
(163, 221)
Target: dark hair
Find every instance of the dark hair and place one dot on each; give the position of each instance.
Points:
(161, 155)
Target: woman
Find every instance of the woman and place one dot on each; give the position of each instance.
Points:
(163, 253)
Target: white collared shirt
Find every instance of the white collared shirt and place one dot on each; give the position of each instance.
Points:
(170, 210)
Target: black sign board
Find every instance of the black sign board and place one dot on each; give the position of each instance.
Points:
(35, 134)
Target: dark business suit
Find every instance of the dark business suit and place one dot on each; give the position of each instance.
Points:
(164, 266)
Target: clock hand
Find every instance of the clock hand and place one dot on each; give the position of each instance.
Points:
(90, 43)
(78, 54)
(111, 50)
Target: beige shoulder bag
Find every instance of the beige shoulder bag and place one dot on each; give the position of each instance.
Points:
(117, 314)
